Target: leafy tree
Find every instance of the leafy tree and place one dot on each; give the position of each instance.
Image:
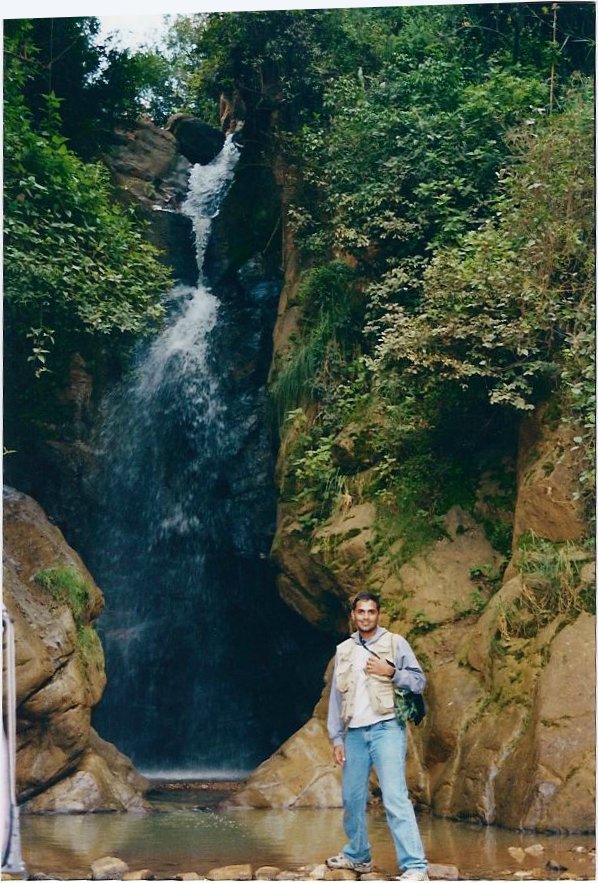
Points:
(98, 85)
(75, 262)
(510, 309)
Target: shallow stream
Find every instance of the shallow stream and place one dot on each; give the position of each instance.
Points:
(187, 832)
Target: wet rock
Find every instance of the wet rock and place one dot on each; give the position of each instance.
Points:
(300, 773)
(267, 872)
(555, 866)
(316, 872)
(549, 780)
(37, 876)
(443, 872)
(517, 853)
(105, 780)
(108, 868)
(535, 849)
(196, 140)
(231, 872)
(144, 874)
(59, 679)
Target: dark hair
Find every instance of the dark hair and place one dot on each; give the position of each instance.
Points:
(365, 596)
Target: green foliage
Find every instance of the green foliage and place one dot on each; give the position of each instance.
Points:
(89, 645)
(75, 262)
(552, 586)
(98, 86)
(476, 604)
(500, 305)
(329, 323)
(422, 624)
(65, 584)
(510, 310)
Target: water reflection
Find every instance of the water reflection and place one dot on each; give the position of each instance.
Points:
(184, 836)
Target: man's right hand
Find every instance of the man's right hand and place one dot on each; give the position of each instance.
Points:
(338, 753)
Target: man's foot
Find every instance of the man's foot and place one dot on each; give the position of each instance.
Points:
(341, 861)
(413, 874)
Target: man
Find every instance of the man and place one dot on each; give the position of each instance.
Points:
(369, 667)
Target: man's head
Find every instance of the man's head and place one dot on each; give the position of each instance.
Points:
(365, 596)
(365, 612)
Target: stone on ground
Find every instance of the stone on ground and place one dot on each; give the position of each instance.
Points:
(144, 874)
(373, 875)
(516, 852)
(231, 872)
(443, 872)
(340, 874)
(108, 868)
(267, 872)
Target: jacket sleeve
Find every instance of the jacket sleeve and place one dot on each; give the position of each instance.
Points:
(335, 724)
(408, 672)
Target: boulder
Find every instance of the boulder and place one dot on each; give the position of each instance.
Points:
(231, 872)
(442, 872)
(196, 140)
(153, 176)
(62, 765)
(267, 872)
(301, 773)
(108, 868)
(561, 780)
(317, 579)
(105, 780)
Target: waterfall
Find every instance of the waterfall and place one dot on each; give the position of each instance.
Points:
(196, 641)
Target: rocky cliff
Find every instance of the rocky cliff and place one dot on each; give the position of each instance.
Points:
(62, 764)
(507, 640)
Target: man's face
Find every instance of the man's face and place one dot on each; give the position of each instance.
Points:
(365, 616)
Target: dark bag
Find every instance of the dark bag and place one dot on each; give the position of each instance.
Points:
(409, 707)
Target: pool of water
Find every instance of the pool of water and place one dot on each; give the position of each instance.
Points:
(188, 832)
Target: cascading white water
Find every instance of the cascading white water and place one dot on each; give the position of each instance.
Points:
(197, 643)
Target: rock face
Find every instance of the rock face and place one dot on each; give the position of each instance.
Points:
(152, 174)
(62, 765)
(508, 645)
(196, 140)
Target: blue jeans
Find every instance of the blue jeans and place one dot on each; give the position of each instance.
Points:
(384, 746)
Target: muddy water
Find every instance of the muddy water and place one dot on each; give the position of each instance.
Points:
(187, 832)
